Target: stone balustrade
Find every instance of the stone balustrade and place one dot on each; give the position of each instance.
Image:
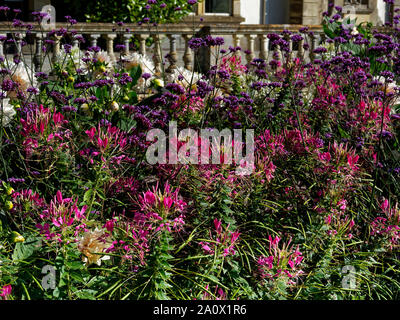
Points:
(169, 40)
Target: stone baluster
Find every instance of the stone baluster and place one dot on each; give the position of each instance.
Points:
(56, 48)
(18, 43)
(188, 55)
(157, 57)
(264, 47)
(300, 49)
(250, 47)
(127, 39)
(75, 41)
(142, 45)
(110, 45)
(38, 57)
(277, 55)
(3, 37)
(290, 44)
(93, 39)
(308, 43)
(236, 42)
(172, 55)
(315, 41)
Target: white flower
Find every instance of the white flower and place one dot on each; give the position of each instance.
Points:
(354, 32)
(23, 76)
(392, 88)
(92, 244)
(184, 77)
(102, 57)
(135, 59)
(7, 112)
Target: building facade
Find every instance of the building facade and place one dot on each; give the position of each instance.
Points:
(306, 12)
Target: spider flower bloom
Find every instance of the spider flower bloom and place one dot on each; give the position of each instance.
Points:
(282, 261)
(64, 211)
(149, 198)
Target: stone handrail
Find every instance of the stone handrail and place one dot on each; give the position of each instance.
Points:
(252, 38)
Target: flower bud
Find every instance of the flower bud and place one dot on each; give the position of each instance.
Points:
(85, 107)
(158, 82)
(9, 205)
(16, 237)
(9, 191)
(114, 106)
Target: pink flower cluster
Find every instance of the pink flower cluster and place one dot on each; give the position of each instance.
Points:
(62, 213)
(388, 227)
(105, 138)
(219, 294)
(339, 221)
(160, 211)
(281, 261)
(42, 125)
(224, 241)
(6, 292)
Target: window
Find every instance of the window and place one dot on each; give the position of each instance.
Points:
(218, 6)
(361, 4)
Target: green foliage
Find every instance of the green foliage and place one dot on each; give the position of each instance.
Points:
(135, 11)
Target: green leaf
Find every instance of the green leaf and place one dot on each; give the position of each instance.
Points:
(86, 294)
(343, 133)
(74, 265)
(87, 197)
(23, 250)
(135, 74)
